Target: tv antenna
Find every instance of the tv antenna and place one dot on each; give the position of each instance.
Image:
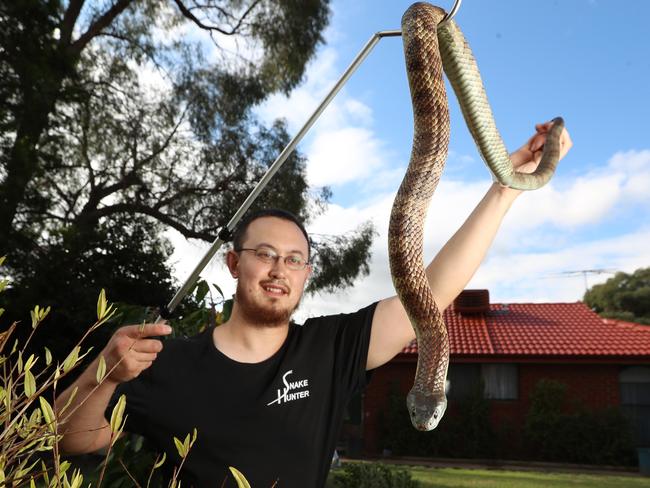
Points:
(584, 273)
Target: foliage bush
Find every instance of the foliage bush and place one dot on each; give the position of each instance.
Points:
(32, 421)
(624, 297)
(374, 475)
(465, 430)
(555, 431)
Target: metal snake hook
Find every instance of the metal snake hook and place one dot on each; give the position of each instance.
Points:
(225, 233)
(451, 13)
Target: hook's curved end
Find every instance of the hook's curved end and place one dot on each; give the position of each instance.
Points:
(451, 13)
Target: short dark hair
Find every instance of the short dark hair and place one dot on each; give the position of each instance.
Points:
(240, 231)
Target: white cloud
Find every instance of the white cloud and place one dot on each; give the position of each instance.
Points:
(587, 200)
(635, 166)
(341, 146)
(303, 100)
(343, 155)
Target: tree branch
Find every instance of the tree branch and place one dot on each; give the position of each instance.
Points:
(102, 22)
(207, 6)
(138, 164)
(248, 11)
(150, 56)
(130, 208)
(69, 20)
(188, 14)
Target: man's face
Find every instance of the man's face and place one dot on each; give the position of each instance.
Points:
(268, 293)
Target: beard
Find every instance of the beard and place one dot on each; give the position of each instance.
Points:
(262, 315)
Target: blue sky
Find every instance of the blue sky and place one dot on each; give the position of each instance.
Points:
(587, 60)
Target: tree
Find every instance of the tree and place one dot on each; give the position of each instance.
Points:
(624, 296)
(118, 120)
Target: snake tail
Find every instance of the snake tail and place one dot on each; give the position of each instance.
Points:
(426, 401)
(463, 74)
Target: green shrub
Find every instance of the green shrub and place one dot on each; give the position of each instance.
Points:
(374, 475)
(580, 436)
(544, 420)
(29, 440)
(465, 431)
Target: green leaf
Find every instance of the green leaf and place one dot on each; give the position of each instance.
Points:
(29, 384)
(219, 290)
(48, 357)
(117, 435)
(48, 413)
(241, 480)
(70, 399)
(3, 284)
(71, 360)
(25, 470)
(117, 414)
(186, 443)
(2, 310)
(20, 362)
(30, 362)
(161, 462)
(7, 398)
(101, 369)
(227, 309)
(180, 447)
(35, 417)
(46, 476)
(101, 305)
(77, 479)
(202, 289)
(2, 260)
(38, 314)
(84, 354)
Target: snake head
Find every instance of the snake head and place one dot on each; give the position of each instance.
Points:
(426, 409)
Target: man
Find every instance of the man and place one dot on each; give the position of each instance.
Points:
(265, 395)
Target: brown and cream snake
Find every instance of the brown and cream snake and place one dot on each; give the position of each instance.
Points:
(428, 48)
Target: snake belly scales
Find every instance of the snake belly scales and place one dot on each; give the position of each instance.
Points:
(428, 47)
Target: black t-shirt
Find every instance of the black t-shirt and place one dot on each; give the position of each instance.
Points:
(274, 420)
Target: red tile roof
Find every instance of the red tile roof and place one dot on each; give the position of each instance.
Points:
(543, 329)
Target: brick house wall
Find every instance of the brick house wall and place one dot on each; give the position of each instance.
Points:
(595, 386)
(566, 342)
(397, 372)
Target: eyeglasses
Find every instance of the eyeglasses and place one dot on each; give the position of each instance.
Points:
(294, 262)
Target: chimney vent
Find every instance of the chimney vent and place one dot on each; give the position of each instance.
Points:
(472, 302)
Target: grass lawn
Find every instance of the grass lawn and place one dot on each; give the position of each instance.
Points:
(483, 478)
(480, 478)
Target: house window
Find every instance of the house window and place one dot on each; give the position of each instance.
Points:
(635, 401)
(463, 380)
(501, 381)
